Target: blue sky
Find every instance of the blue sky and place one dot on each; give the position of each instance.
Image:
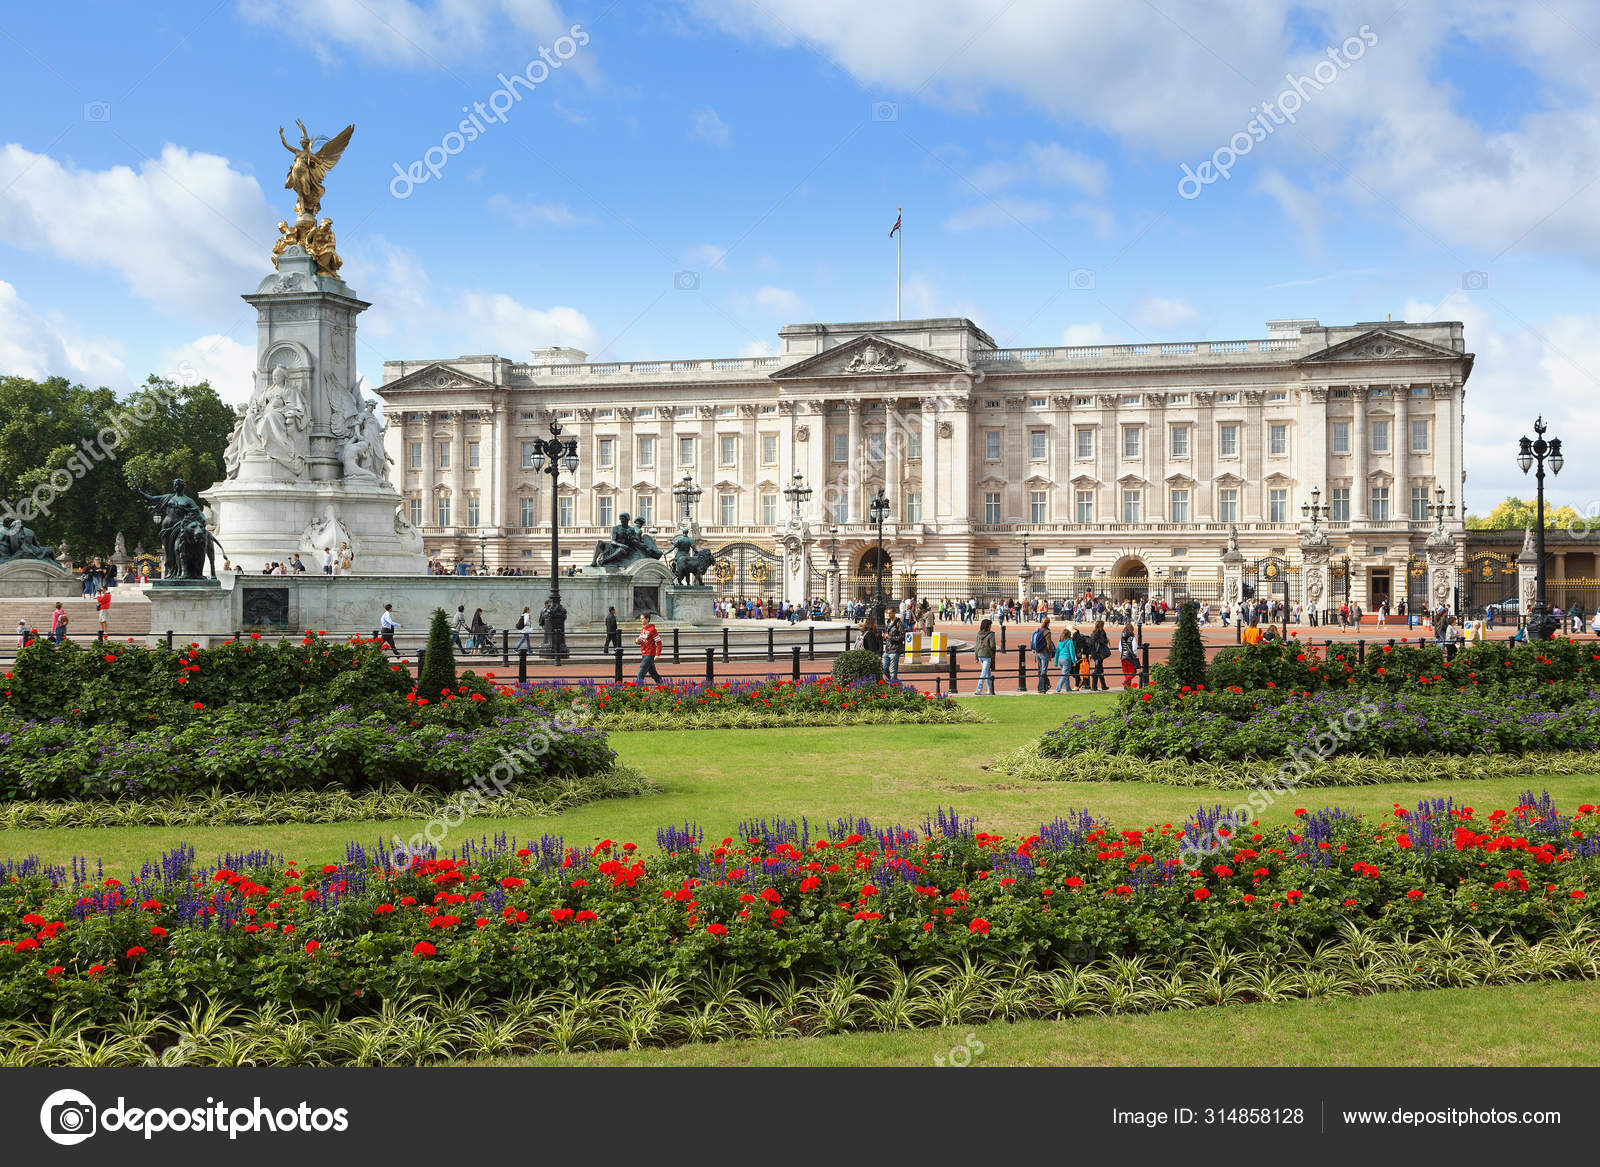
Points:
(765, 146)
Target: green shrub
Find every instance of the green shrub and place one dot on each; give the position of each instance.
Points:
(1187, 662)
(438, 674)
(855, 664)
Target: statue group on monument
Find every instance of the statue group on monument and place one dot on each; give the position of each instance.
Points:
(186, 544)
(19, 543)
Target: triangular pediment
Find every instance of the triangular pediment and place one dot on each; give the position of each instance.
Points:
(1380, 344)
(869, 356)
(1084, 481)
(437, 376)
(991, 480)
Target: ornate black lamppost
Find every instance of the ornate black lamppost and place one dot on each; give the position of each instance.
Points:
(833, 545)
(1540, 623)
(688, 496)
(879, 508)
(551, 455)
(798, 494)
(1315, 510)
(1026, 574)
(483, 553)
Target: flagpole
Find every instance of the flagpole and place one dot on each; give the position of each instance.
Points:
(899, 243)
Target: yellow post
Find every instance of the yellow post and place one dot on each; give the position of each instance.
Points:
(913, 647)
(937, 652)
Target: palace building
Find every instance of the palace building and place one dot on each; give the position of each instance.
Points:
(1121, 467)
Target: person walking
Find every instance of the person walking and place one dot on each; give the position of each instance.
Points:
(386, 628)
(327, 561)
(459, 628)
(984, 653)
(1066, 661)
(894, 647)
(482, 634)
(1043, 647)
(613, 633)
(103, 605)
(649, 642)
(1099, 650)
(870, 639)
(58, 623)
(525, 626)
(1128, 651)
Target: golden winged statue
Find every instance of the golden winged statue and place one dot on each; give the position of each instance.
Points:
(310, 167)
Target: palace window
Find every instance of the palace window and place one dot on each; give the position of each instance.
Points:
(991, 445)
(416, 455)
(1179, 510)
(1228, 505)
(472, 455)
(1036, 402)
(913, 446)
(1180, 441)
(991, 506)
(769, 510)
(1227, 398)
(1339, 504)
(727, 446)
(527, 455)
(1084, 507)
(913, 506)
(1132, 504)
(1278, 441)
(841, 511)
(875, 447)
(1130, 399)
(1277, 506)
(727, 509)
(416, 512)
(1278, 395)
(1341, 437)
(647, 414)
(1419, 504)
(646, 509)
(1038, 445)
(605, 414)
(1419, 436)
(606, 453)
(841, 446)
(605, 513)
(444, 455)
(769, 449)
(685, 451)
(566, 506)
(647, 453)
(1038, 507)
(1178, 399)
(1380, 504)
(529, 516)
(1130, 441)
(1085, 443)
(1380, 437)
(472, 510)
(444, 510)
(1228, 441)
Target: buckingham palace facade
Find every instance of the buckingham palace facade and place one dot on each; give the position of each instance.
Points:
(1124, 465)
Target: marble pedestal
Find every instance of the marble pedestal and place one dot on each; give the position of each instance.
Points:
(267, 522)
(37, 578)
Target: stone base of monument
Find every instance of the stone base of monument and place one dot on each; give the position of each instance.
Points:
(342, 606)
(267, 522)
(37, 577)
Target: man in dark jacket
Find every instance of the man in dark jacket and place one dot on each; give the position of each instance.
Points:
(613, 633)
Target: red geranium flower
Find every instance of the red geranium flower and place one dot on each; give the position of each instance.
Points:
(312, 945)
(423, 948)
(980, 926)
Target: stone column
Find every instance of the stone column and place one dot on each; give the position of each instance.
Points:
(458, 470)
(961, 461)
(1314, 566)
(893, 439)
(504, 465)
(747, 469)
(1527, 574)
(1441, 551)
(1446, 435)
(1400, 445)
(430, 473)
(930, 461)
(811, 437)
(1360, 450)
(1233, 572)
(856, 467)
(831, 586)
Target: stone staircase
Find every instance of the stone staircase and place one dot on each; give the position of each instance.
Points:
(129, 616)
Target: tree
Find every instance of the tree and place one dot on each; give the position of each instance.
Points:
(438, 675)
(1187, 659)
(66, 453)
(1515, 514)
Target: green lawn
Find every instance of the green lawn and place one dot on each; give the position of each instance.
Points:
(717, 777)
(1464, 1027)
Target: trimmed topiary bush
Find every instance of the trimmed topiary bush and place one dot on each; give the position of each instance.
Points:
(438, 675)
(1187, 661)
(855, 664)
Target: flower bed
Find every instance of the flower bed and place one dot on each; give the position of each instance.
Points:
(752, 704)
(499, 921)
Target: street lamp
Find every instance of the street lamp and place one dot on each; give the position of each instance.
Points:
(688, 495)
(483, 553)
(1540, 624)
(798, 494)
(1315, 510)
(879, 508)
(833, 545)
(551, 455)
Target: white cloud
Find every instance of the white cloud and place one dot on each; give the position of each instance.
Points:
(495, 322)
(1050, 164)
(757, 348)
(1087, 334)
(998, 213)
(525, 213)
(708, 127)
(1300, 207)
(38, 346)
(224, 362)
(704, 256)
(186, 230)
(781, 301)
(1165, 314)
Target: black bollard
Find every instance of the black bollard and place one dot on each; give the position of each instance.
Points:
(674, 646)
(505, 648)
(724, 644)
(711, 667)
(1022, 669)
(771, 644)
(955, 671)
(616, 676)
(794, 671)
(522, 666)
(811, 642)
